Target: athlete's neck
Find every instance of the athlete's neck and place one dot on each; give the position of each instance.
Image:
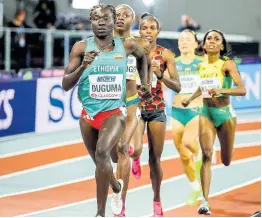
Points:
(212, 57)
(122, 34)
(187, 58)
(153, 45)
(103, 42)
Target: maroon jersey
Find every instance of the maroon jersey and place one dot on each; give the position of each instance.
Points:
(157, 93)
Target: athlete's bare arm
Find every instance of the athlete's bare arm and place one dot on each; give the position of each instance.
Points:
(239, 90)
(145, 44)
(75, 68)
(133, 48)
(173, 81)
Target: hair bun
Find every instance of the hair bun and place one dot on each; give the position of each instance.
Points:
(145, 15)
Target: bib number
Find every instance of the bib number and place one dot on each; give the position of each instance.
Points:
(189, 84)
(106, 86)
(131, 68)
(207, 84)
(154, 79)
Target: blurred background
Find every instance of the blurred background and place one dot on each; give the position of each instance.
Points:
(37, 36)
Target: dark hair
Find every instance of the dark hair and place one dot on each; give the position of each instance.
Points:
(226, 53)
(147, 15)
(104, 6)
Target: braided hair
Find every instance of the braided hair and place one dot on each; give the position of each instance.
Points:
(104, 6)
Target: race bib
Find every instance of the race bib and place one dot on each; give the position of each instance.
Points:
(207, 84)
(189, 84)
(106, 86)
(131, 68)
(138, 81)
(154, 79)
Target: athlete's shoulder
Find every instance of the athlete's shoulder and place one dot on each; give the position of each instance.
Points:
(143, 43)
(178, 59)
(202, 65)
(221, 62)
(160, 48)
(168, 55)
(80, 46)
(130, 43)
(228, 64)
(199, 58)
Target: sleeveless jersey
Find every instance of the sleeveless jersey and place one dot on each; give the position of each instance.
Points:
(188, 75)
(102, 86)
(157, 92)
(212, 77)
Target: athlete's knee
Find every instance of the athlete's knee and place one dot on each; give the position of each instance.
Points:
(154, 160)
(185, 156)
(122, 148)
(137, 150)
(102, 155)
(207, 154)
(188, 143)
(226, 161)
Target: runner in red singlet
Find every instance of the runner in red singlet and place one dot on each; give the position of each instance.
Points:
(153, 114)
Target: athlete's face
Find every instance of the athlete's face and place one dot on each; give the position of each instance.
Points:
(102, 21)
(213, 43)
(149, 30)
(187, 42)
(124, 19)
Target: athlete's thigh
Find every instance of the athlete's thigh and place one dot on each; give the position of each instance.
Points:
(177, 132)
(137, 139)
(191, 133)
(207, 134)
(156, 132)
(131, 122)
(90, 137)
(226, 136)
(110, 132)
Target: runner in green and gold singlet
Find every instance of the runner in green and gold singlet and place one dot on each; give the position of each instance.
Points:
(185, 121)
(217, 116)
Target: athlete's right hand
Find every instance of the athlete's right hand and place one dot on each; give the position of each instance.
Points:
(89, 57)
(146, 94)
(185, 102)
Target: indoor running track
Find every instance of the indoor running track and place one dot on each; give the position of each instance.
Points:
(52, 175)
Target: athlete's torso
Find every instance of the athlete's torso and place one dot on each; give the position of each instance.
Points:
(213, 77)
(102, 86)
(157, 92)
(190, 81)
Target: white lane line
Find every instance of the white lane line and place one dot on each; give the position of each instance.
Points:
(212, 195)
(44, 147)
(46, 166)
(68, 143)
(141, 187)
(86, 157)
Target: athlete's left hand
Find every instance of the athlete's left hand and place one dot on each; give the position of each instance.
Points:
(214, 92)
(155, 69)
